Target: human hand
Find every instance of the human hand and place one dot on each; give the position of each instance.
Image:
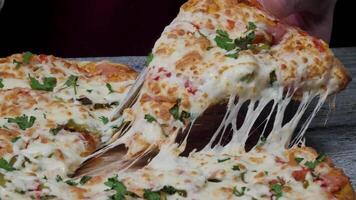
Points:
(313, 16)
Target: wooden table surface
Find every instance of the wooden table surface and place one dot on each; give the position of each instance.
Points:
(336, 137)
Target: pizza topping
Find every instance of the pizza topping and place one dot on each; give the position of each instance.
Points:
(6, 165)
(150, 118)
(149, 59)
(23, 121)
(299, 175)
(239, 193)
(104, 119)
(1, 83)
(174, 111)
(277, 190)
(223, 160)
(162, 193)
(312, 164)
(27, 58)
(121, 191)
(109, 88)
(48, 83)
(298, 159)
(84, 180)
(72, 82)
(272, 77)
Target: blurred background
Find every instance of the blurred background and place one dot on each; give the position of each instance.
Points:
(83, 28)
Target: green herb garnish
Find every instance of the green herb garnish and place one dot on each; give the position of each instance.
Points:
(239, 193)
(298, 159)
(72, 82)
(312, 164)
(1, 83)
(109, 88)
(223, 160)
(23, 121)
(104, 119)
(272, 77)
(6, 165)
(236, 168)
(48, 83)
(114, 184)
(151, 195)
(27, 57)
(150, 118)
(149, 59)
(71, 182)
(277, 189)
(13, 140)
(84, 180)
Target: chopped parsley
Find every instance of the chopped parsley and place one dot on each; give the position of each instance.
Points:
(6, 165)
(59, 178)
(248, 77)
(72, 82)
(223, 160)
(234, 46)
(312, 164)
(114, 184)
(149, 59)
(150, 118)
(171, 190)
(298, 159)
(277, 190)
(174, 111)
(242, 176)
(48, 83)
(236, 168)
(272, 77)
(84, 180)
(13, 140)
(18, 64)
(71, 182)
(56, 130)
(109, 88)
(23, 121)
(104, 119)
(27, 58)
(1, 84)
(214, 180)
(239, 193)
(151, 195)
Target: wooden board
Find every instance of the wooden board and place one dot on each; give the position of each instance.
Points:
(335, 137)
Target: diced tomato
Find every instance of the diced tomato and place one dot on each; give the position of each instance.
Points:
(191, 89)
(168, 74)
(230, 24)
(161, 69)
(319, 45)
(156, 78)
(299, 175)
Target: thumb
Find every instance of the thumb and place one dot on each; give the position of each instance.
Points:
(280, 8)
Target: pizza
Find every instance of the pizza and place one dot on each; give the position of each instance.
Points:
(56, 113)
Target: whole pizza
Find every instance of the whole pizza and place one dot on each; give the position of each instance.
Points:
(56, 113)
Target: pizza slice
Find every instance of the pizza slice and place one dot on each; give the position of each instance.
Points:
(216, 50)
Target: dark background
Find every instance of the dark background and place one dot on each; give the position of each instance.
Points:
(82, 28)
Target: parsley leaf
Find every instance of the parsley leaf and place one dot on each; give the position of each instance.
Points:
(72, 82)
(248, 77)
(239, 193)
(272, 77)
(277, 189)
(71, 182)
(6, 165)
(223, 160)
(150, 118)
(114, 184)
(48, 83)
(175, 111)
(59, 178)
(298, 159)
(236, 168)
(312, 164)
(104, 119)
(1, 84)
(109, 88)
(27, 57)
(84, 180)
(56, 130)
(224, 41)
(23, 121)
(171, 190)
(18, 64)
(151, 195)
(149, 59)
(13, 140)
